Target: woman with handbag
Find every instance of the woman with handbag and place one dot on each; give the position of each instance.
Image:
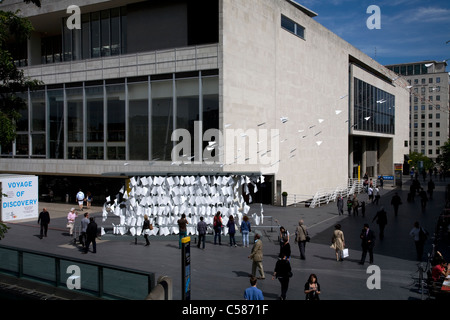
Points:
(283, 273)
(338, 242)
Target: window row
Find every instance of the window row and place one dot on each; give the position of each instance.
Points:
(102, 33)
(374, 109)
(130, 119)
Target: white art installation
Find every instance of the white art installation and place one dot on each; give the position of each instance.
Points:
(165, 199)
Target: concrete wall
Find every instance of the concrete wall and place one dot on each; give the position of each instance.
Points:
(270, 73)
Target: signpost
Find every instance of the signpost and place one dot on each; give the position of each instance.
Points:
(398, 173)
(186, 268)
(19, 197)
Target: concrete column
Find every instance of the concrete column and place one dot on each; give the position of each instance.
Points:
(34, 49)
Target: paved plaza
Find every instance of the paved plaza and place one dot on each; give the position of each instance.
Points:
(222, 272)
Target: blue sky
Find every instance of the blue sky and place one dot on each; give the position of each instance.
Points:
(411, 30)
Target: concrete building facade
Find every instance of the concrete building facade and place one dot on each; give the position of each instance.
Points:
(232, 86)
(429, 105)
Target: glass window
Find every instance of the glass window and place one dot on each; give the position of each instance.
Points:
(410, 69)
(94, 122)
(162, 119)
(85, 36)
(188, 108)
(22, 123)
(95, 34)
(105, 37)
(292, 26)
(438, 79)
(138, 121)
(115, 95)
(210, 86)
(417, 69)
(38, 145)
(22, 145)
(67, 42)
(37, 111)
(75, 123)
(55, 100)
(115, 31)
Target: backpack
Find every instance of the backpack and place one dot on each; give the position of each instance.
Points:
(422, 235)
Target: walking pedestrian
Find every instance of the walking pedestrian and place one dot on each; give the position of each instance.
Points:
(312, 288)
(381, 218)
(283, 234)
(419, 236)
(368, 242)
(301, 236)
(146, 228)
(349, 205)
(88, 199)
(340, 205)
(256, 256)
(71, 216)
(285, 249)
(252, 292)
(370, 193)
(396, 201)
(231, 230)
(80, 199)
(283, 273)
(376, 194)
(84, 225)
(44, 221)
(201, 228)
(91, 233)
(217, 224)
(245, 229)
(338, 242)
(355, 205)
(182, 229)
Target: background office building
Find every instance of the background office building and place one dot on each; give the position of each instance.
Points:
(115, 90)
(429, 105)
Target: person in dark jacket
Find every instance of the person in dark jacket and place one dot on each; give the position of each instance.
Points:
(44, 221)
(146, 229)
(91, 233)
(231, 231)
(283, 272)
(368, 242)
(202, 228)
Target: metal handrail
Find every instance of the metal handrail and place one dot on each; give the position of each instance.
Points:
(57, 275)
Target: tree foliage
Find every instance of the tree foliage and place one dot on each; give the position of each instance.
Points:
(13, 29)
(444, 158)
(416, 157)
(12, 80)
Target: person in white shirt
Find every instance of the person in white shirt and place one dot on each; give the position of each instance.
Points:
(80, 198)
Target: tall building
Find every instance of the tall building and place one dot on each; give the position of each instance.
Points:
(429, 105)
(215, 87)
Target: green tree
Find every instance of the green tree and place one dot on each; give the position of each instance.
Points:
(13, 29)
(416, 157)
(443, 160)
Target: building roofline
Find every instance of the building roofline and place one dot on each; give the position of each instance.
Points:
(416, 62)
(305, 10)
